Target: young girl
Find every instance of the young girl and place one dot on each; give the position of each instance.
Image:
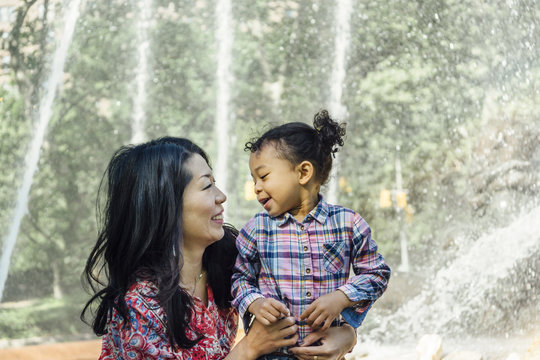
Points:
(295, 258)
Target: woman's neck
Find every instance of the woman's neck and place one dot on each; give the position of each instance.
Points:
(193, 275)
(193, 266)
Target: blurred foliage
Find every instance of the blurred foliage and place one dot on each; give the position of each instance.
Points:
(434, 83)
(46, 317)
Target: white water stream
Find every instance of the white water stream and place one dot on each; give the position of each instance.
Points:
(224, 39)
(32, 157)
(337, 110)
(142, 71)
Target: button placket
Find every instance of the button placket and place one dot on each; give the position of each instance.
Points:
(307, 260)
(307, 257)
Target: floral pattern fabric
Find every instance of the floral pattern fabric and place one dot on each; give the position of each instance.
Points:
(145, 336)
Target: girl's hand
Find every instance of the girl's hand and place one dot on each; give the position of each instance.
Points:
(335, 343)
(268, 310)
(261, 340)
(325, 309)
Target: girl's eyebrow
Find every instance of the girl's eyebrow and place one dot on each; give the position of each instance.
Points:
(258, 167)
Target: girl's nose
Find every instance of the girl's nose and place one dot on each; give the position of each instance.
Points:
(257, 187)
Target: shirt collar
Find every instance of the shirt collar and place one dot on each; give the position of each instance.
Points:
(319, 213)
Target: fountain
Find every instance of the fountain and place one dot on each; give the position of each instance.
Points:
(141, 77)
(337, 110)
(224, 39)
(398, 59)
(485, 299)
(466, 296)
(32, 157)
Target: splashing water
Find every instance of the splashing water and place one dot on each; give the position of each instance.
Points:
(337, 110)
(465, 297)
(141, 78)
(32, 157)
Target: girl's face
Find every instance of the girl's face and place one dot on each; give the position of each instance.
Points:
(276, 181)
(202, 211)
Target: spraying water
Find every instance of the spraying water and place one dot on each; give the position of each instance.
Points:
(465, 296)
(224, 38)
(337, 80)
(141, 78)
(32, 157)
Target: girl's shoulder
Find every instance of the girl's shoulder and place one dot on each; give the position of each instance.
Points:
(342, 211)
(347, 218)
(257, 221)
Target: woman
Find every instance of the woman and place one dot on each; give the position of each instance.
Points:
(161, 268)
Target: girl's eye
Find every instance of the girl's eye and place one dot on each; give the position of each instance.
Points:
(262, 177)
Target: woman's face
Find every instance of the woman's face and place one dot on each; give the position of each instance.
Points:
(202, 207)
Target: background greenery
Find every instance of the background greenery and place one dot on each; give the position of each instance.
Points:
(449, 87)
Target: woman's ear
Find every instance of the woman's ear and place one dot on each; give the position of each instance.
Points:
(305, 172)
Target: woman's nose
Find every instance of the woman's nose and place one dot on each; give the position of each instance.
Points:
(221, 197)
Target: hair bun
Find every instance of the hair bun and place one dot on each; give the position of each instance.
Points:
(330, 132)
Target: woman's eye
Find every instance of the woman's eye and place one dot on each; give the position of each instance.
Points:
(212, 182)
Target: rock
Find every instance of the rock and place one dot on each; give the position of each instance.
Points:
(464, 355)
(533, 352)
(429, 347)
(357, 353)
(513, 356)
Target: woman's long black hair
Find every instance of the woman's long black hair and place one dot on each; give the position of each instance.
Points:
(141, 236)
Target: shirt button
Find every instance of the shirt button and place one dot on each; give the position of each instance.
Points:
(305, 248)
(302, 227)
(308, 294)
(308, 271)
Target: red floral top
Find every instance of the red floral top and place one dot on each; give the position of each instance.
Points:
(145, 337)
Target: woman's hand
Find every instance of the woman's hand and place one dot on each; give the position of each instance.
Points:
(262, 339)
(335, 343)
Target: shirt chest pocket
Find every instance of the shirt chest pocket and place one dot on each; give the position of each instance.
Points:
(333, 256)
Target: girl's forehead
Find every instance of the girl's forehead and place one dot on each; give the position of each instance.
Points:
(265, 153)
(268, 157)
(269, 148)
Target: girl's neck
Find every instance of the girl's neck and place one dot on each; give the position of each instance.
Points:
(309, 198)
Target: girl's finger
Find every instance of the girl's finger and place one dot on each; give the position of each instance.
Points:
(318, 322)
(326, 324)
(272, 311)
(314, 316)
(270, 317)
(280, 307)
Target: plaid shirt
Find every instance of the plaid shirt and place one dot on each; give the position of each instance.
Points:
(296, 263)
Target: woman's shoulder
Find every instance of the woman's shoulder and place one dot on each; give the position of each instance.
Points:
(142, 288)
(145, 333)
(141, 297)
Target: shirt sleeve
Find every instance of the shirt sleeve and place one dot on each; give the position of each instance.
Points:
(371, 273)
(245, 288)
